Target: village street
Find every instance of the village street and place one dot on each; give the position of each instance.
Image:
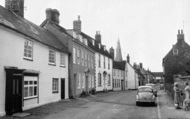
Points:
(112, 105)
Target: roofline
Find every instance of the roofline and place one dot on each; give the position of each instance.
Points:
(33, 38)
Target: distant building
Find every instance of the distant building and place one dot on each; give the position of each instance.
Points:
(119, 75)
(118, 56)
(103, 63)
(33, 63)
(177, 61)
(159, 77)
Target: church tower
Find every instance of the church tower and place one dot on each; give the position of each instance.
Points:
(118, 52)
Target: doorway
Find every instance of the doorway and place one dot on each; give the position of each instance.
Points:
(14, 87)
(62, 88)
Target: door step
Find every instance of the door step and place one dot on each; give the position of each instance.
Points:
(21, 114)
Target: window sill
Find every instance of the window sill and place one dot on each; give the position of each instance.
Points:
(63, 66)
(55, 92)
(52, 64)
(32, 97)
(29, 59)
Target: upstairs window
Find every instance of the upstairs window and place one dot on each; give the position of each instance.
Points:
(52, 56)
(108, 63)
(175, 51)
(62, 59)
(28, 49)
(104, 62)
(74, 55)
(99, 61)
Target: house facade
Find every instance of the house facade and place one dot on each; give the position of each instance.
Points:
(177, 61)
(118, 75)
(103, 63)
(34, 64)
(83, 61)
(132, 78)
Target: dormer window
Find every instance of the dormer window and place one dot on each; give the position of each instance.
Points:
(85, 41)
(175, 51)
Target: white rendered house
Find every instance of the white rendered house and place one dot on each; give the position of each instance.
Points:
(33, 65)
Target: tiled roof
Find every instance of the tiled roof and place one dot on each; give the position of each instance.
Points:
(119, 65)
(95, 47)
(29, 29)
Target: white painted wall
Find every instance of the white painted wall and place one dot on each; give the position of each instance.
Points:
(101, 70)
(12, 51)
(117, 76)
(131, 80)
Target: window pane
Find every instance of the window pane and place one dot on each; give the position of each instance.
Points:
(25, 91)
(35, 90)
(31, 90)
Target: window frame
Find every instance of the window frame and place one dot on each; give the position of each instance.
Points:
(29, 86)
(55, 82)
(54, 56)
(62, 60)
(28, 50)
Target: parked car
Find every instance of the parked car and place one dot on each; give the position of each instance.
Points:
(145, 95)
(154, 87)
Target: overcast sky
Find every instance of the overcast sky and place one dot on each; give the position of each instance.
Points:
(147, 29)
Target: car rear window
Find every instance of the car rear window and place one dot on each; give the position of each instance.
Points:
(145, 89)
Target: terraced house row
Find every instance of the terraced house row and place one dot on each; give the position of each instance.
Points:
(47, 63)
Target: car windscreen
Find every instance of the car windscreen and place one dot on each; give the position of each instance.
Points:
(145, 89)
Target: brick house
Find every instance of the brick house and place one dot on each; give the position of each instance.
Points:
(177, 61)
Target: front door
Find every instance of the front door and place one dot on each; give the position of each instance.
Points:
(122, 85)
(17, 93)
(14, 86)
(62, 88)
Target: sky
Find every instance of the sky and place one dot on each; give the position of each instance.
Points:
(146, 29)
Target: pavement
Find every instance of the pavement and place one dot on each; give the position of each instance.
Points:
(167, 109)
(111, 105)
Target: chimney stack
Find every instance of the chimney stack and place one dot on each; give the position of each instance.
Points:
(112, 52)
(128, 58)
(77, 25)
(53, 15)
(180, 36)
(98, 37)
(16, 6)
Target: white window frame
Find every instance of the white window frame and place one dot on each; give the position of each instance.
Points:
(62, 60)
(30, 82)
(28, 49)
(52, 56)
(175, 51)
(55, 85)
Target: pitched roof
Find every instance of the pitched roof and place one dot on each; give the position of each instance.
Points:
(119, 65)
(29, 29)
(95, 47)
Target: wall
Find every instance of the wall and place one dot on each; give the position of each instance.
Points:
(130, 77)
(101, 70)
(12, 51)
(117, 76)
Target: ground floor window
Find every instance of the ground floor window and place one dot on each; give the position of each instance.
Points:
(30, 87)
(55, 85)
(99, 79)
(109, 80)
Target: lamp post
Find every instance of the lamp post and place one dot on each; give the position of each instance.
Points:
(104, 74)
(87, 71)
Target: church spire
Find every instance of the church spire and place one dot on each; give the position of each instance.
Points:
(118, 52)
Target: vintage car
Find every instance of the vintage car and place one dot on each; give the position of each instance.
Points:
(145, 95)
(154, 87)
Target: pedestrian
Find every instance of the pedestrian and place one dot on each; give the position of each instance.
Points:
(177, 94)
(186, 101)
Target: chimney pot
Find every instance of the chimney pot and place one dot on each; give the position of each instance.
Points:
(53, 15)
(98, 37)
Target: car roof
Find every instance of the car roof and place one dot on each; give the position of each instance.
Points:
(144, 87)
